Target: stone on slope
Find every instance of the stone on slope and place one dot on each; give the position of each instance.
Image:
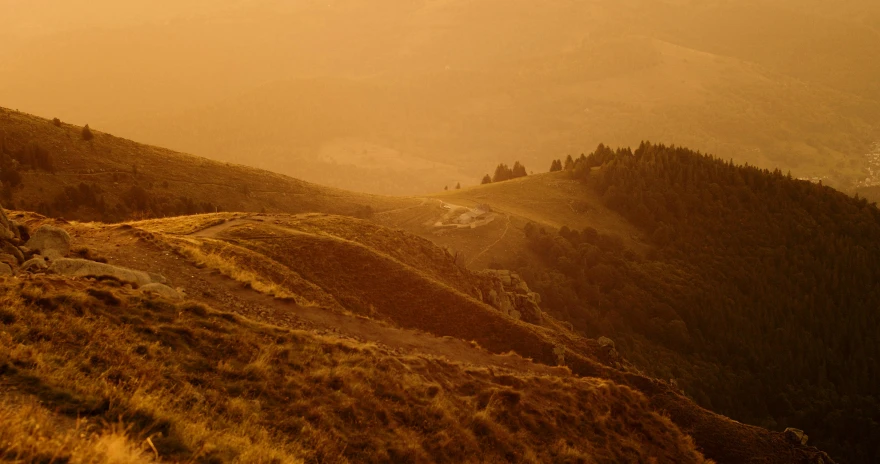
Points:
(161, 290)
(7, 231)
(9, 248)
(50, 241)
(35, 264)
(796, 436)
(83, 268)
(5, 270)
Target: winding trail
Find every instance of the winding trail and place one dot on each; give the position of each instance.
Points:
(496, 242)
(222, 292)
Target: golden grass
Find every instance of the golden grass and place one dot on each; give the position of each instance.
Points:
(207, 386)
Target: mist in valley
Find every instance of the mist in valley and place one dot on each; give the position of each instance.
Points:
(409, 96)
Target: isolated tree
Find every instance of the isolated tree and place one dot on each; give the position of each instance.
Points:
(56, 122)
(458, 186)
(446, 187)
(87, 133)
(556, 165)
(487, 179)
(518, 170)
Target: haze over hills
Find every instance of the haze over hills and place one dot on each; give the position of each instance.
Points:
(406, 97)
(267, 299)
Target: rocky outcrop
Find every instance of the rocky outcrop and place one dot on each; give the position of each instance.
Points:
(50, 241)
(161, 290)
(509, 293)
(796, 436)
(86, 268)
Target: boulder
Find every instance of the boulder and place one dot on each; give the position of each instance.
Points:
(606, 342)
(158, 278)
(6, 229)
(10, 249)
(83, 268)
(8, 259)
(5, 270)
(35, 264)
(50, 241)
(161, 290)
(796, 436)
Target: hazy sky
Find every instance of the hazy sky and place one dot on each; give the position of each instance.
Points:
(403, 96)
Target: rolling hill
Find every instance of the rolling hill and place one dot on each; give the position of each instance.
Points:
(253, 364)
(679, 255)
(108, 178)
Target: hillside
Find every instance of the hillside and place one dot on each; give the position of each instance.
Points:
(754, 291)
(111, 179)
(283, 355)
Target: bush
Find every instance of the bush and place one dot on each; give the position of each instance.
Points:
(87, 133)
(56, 122)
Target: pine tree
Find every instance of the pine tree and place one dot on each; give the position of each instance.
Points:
(487, 179)
(458, 186)
(502, 173)
(569, 163)
(518, 170)
(556, 165)
(87, 133)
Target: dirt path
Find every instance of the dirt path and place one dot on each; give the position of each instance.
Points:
(123, 248)
(496, 242)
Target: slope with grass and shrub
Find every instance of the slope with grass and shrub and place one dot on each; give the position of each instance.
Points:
(57, 172)
(756, 292)
(93, 372)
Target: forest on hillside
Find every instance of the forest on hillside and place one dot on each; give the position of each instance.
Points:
(759, 297)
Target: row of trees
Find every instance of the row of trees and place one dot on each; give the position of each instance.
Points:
(759, 293)
(503, 172)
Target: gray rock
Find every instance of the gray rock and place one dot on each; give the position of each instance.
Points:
(11, 249)
(8, 260)
(35, 264)
(5, 270)
(83, 267)
(158, 278)
(796, 436)
(50, 241)
(162, 290)
(6, 229)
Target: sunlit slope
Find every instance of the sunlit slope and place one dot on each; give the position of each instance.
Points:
(256, 265)
(183, 381)
(115, 179)
(551, 200)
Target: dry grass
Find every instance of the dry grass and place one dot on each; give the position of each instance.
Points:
(207, 386)
(228, 266)
(32, 433)
(252, 270)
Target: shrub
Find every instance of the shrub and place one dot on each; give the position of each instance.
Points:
(87, 133)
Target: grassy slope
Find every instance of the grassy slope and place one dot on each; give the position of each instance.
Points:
(339, 270)
(92, 371)
(108, 162)
(551, 200)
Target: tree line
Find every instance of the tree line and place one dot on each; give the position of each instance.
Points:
(758, 293)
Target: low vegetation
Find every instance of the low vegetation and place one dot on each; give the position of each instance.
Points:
(133, 379)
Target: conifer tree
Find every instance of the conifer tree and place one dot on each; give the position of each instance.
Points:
(487, 179)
